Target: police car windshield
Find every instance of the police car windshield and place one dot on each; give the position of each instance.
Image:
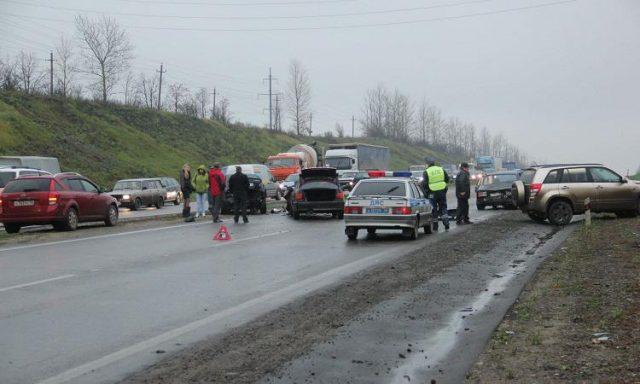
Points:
(377, 188)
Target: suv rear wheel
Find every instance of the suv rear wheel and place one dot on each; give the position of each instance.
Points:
(70, 222)
(12, 228)
(560, 212)
(178, 199)
(351, 232)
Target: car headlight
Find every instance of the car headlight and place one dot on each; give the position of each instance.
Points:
(351, 183)
(126, 197)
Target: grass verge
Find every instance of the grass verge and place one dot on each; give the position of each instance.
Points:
(578, 320)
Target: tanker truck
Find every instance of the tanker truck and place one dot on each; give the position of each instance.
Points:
(294, 160)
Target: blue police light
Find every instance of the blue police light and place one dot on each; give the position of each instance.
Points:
(402, 174)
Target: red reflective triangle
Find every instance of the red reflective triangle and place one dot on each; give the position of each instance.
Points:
(222, 234)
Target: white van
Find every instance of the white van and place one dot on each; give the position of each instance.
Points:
(49, 164)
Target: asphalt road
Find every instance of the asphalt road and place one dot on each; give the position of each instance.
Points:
(96, 308)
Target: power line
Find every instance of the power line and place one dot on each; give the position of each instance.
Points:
(239, 4)
(336, 27)
(294, 17)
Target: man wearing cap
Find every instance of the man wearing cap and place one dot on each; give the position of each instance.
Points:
(435, 183)
(217, 184)
(463, 193)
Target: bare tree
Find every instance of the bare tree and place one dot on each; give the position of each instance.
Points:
(129, 90)
(176, 93)
(485, 141)
(374, 112)
(339, 130)
(65, 67)
(106, 50)
(28, 74)
(277, 117)
(299, 97)
(8, 74)
(147, 88)
(224, 114)
(202, 99)
(399, 116)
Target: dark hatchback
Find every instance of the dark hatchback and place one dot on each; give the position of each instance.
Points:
(494, 189)
(317, 191)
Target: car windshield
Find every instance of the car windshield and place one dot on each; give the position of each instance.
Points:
(499, 178)
(293, 177)
(417, 173)
(338, 162)
(527, 176)
(281, 163)
(125, 184)
(28, 185)
(5, 176)
(385, 188)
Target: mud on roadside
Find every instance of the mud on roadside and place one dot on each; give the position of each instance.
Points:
(578, 320)
(261, 347)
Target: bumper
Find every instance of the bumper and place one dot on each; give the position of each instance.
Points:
(494, 200)
(378, 221)
(318, 206)
(31, 220)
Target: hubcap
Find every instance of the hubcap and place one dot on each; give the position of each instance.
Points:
(73, 218)
(113, 215)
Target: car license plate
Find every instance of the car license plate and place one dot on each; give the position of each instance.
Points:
(495, 195)
(377, 210)
(23, 203)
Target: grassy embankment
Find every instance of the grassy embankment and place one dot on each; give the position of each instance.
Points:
(110, 142)
(578, 320)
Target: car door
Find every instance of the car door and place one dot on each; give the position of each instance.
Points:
(147, 192)
(414, 200)
(96, 207)
(160, 191)
(81, 197)
(576, 184)
(612, 194)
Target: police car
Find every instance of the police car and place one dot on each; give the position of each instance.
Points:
(387, 203)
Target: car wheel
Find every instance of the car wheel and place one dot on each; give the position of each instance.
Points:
(560, 212)
(427, 228)
(480, 207)
(371, 231)
(70, 220)
(137, 203)
(351, 232)
(537, 218)
(12, 228)
(112, 216)
(160, 203)
(178, 199)
(411, 233)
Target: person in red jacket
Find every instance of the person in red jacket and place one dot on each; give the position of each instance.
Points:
(217, 184)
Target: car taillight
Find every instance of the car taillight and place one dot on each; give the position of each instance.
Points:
(353, 210)
(482, 194)
(53, 198)
(340, 195)
(299, 196)
(401, 211)
(534, 188)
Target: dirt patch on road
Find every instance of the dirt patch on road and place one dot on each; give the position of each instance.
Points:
(578, 320)
(249, 352)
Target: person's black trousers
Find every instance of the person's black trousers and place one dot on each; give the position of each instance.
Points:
(240, 207)
(462, 213)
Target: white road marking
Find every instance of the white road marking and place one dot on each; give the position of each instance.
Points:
(36, 283)
(303, 286)
(99, 237)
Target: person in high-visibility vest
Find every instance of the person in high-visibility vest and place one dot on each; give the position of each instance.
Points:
(436, 181)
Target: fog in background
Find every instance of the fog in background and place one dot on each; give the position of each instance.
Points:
(560, 79)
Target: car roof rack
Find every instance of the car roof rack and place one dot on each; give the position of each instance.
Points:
(67, 174)
(563, 165)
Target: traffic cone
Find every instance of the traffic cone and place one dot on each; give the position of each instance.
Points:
(222, 234)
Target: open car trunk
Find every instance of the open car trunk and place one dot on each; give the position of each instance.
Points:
(319, 191)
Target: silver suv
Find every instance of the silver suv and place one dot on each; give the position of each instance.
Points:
(9, 173)
(558, 191)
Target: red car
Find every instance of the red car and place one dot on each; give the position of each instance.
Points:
(63, 200)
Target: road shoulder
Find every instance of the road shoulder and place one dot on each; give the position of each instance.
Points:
(577, 320)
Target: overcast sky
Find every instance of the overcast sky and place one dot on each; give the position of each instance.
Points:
(561, 79)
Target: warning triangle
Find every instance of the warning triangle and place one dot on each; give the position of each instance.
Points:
(222, 234)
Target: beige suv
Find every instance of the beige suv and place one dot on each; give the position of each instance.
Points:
(558, 191)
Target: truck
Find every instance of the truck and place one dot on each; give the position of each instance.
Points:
(49, 164)
(294, 160)
(487, 164)
(510, 165)
(357, 156)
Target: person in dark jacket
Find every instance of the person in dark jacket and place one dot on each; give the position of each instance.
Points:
(186, 188)
(463, 194)
(239, 188)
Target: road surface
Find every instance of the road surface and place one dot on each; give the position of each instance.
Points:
(95, 309)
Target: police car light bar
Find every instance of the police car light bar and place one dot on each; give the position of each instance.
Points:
(402, 174)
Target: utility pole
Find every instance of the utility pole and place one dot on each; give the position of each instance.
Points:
(310, 123)
(160, 87)
(270, 95)
(278, 112)
(353, 124)
(213, 111)
(50, 60)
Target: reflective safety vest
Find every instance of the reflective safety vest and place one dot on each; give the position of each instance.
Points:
(436, 178)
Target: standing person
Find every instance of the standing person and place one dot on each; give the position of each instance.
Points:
(200, 184)
(239, 187)
(186, 189)
(463, 193)
(216, 188)
(435, 183)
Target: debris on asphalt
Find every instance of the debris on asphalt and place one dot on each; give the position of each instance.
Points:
(276, 210)
(600, 337)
